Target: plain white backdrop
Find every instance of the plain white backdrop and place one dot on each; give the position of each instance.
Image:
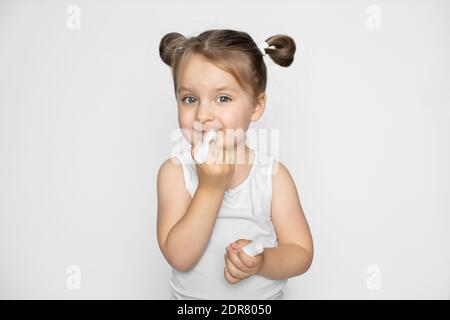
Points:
(87, 111)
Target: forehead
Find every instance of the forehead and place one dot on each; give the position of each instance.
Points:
(197, 72)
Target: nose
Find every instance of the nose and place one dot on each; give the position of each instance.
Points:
(204, 112)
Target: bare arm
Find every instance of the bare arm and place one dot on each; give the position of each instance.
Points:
(189, 237)
(285, 261)
(184, 224)
(294, 254)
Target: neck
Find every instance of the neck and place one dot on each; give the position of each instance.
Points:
(243, 163)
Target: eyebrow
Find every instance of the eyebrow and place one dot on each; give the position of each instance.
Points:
(217, 89)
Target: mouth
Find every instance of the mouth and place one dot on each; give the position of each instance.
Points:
(204, 132)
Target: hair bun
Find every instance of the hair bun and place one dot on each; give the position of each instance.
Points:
(169, 44)
(284, 51)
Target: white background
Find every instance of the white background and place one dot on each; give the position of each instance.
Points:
(86, 117)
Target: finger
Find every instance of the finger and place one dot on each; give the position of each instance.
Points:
(237, 262)
(194, 151)
(230, 278)
(239, 243)
(248, 261)
(230, 152)
(211, 157)
(226, 152)
(219, 151)
(226, 156)
(235, 272)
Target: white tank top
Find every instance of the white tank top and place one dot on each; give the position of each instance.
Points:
(244, 214)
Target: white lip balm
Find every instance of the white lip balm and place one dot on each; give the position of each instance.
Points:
(203, 150)
(253, 248)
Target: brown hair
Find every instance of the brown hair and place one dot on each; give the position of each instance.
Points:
(233, 51)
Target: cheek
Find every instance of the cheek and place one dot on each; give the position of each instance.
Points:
(237, 124)
(186, 118)
(231, 139)
(232, 119)
(186, 123)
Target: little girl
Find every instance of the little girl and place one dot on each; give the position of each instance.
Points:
(207, 212)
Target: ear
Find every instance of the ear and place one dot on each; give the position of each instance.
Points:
(258, 109)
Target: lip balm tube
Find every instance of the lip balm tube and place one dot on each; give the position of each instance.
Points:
(253, 248)
(203, 150)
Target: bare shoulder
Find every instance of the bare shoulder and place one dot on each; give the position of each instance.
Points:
(283, 185)
(171, 179)
(170, 168)
(280, 173)
(282, 180)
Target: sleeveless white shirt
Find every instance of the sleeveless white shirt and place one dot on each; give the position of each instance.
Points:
(244, 214)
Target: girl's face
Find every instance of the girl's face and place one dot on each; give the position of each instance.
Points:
(210, 98)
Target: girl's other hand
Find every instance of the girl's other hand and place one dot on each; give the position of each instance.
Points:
(239, 265)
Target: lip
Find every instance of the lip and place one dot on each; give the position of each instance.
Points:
(205, 131)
